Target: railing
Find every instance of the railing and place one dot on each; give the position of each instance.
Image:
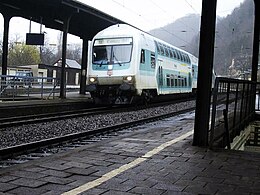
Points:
(254, 139)
(233, 108)
(257, 102)
(24, 87)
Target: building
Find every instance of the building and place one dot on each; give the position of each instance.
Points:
(54, 71)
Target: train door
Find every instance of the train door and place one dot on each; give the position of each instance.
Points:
(160, 76)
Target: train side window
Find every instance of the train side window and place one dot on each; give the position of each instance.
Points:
(176, 81)
(161, 49)
(185, 58)
(188, 59)
(166, 50)
(185, 81)
(174, 54)
(172, 80)
(168, 82)
(170, 52)
(153, 62)
(142, 60)
(179, 81)
(181, 54)
(157, 46)
(178, 55)
(190, 80)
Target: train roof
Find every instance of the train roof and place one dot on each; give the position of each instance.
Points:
(119, 30)
(123, 30)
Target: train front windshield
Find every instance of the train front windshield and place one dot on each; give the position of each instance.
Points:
(112, 51)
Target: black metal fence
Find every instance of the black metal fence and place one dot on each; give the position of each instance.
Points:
(233, 108)
(20, 87)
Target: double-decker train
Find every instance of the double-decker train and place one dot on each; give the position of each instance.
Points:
(126, 65)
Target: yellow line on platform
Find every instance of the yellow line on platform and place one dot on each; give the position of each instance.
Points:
(125, 167)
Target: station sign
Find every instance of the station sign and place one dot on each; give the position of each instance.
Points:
(34, 39)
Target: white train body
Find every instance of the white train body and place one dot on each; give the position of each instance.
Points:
(125, 63)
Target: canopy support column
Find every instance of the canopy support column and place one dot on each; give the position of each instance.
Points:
(7, 18)
(255, 45)
(84, 66)
(63, 60)
(205, 69)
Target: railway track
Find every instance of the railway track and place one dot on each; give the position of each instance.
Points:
(45, 117)
(29, 119)
(37, 149)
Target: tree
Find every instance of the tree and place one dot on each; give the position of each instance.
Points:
(21, 54)
(74, 53)
(48, 56)
(234, 40)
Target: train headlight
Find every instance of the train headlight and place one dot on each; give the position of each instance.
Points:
(92, 79)
(129, 78)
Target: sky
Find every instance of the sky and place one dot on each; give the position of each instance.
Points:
(144, 14)
(150, 14)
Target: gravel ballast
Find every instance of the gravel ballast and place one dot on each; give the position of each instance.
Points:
(12, 136)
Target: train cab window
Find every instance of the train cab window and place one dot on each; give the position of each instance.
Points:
(112, 51)
(142, 60)
(101, 55)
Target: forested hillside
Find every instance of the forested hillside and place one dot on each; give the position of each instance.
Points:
(181, 32)
(233, 45)
(234, 42)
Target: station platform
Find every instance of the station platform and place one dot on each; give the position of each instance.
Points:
(35, 105)
(36, 99)
(156, 158)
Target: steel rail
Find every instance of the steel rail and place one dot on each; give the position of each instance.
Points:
(30, 119)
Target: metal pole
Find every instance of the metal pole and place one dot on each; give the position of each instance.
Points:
(84, 66)
(256, 43)
(206, 54)
(255, 50)
(63, 60)
(5, 43)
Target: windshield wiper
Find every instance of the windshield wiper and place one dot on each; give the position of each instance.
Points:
(101, 62)
(114, 56)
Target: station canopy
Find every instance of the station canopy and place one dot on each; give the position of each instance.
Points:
(85, 22)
